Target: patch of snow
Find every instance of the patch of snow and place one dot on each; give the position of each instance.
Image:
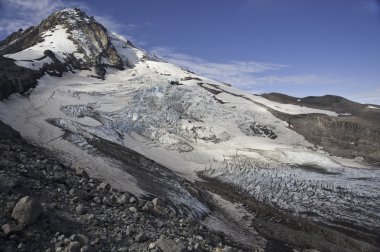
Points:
(55, 40)
(129, 54)
(290, 108)
(373, 107)
(34, 64)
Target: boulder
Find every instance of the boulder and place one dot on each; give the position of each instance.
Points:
(80, 172)
(27, 210)
(80, 209)
(10, 229)
(105, 186)
(158, 204)
(133, 209)
(121, 199)
(168, 245)
(73, 247)
(87, 249)
(141, 237)
(107, 201)
(132, 200)
(149, 206)
(82, 239)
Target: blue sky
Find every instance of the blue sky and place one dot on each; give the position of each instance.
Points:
(297, 47)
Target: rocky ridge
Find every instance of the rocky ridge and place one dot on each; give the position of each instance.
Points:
(15, 79)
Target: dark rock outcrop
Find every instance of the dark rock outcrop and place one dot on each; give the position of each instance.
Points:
(15, 79)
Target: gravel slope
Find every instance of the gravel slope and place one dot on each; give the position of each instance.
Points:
(71, 212)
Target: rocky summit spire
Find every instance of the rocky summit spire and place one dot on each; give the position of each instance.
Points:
(65, 41)
(90, 37)
(69, 37)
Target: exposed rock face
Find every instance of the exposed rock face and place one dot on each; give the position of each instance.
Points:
(93, 40)
(255, 129)
(354, 134)
(90, 38)
(15, 79)
(20, 40)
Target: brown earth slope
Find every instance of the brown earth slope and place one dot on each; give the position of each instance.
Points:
(353, 134)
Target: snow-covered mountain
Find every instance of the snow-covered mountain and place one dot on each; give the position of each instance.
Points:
(65, 41)
(71, 86)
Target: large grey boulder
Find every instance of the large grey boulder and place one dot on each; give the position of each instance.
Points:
(168, 245)
(27, 210)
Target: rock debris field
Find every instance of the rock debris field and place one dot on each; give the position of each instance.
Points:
(46, 206)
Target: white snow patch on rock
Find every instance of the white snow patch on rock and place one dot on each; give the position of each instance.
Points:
(55, 40)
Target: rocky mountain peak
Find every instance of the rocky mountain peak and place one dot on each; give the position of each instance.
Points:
(69, 15)
(65, 41)
(68, 36)
(90, 37)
